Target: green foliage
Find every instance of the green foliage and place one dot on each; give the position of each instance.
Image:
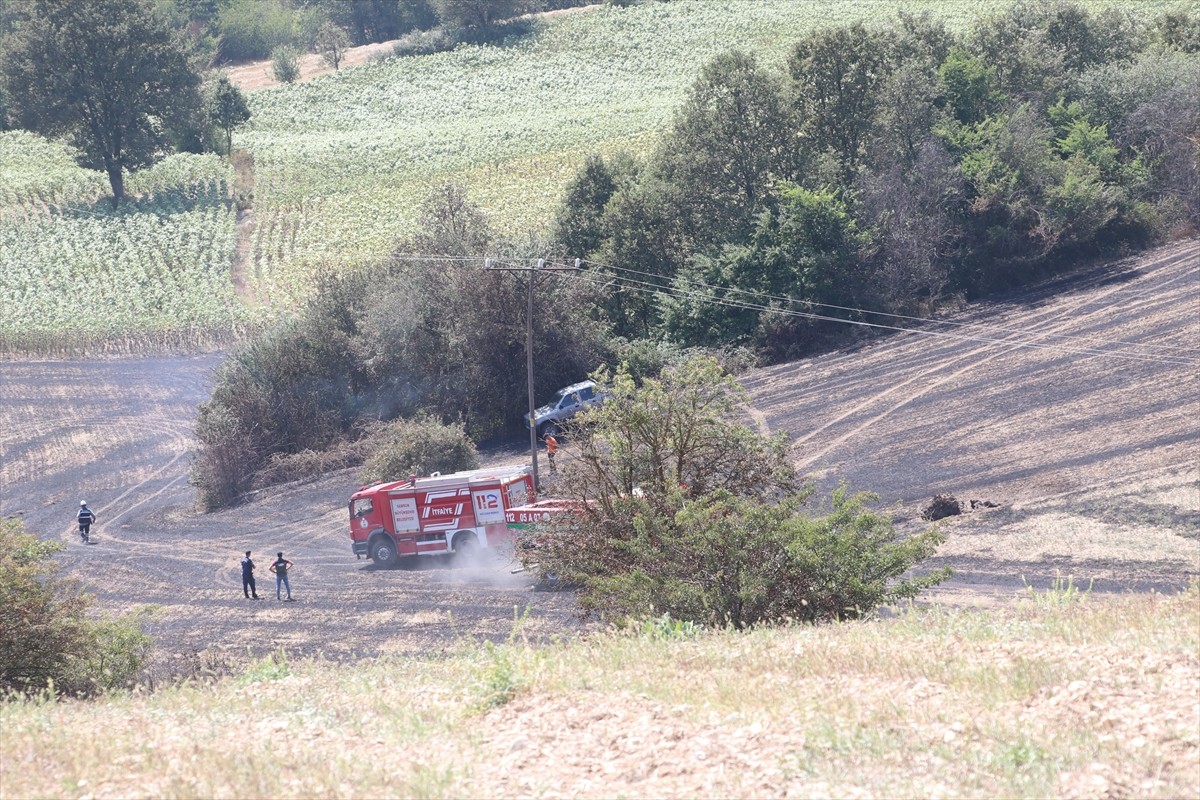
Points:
(109, 74)
(836, 75)
(804, 249)
(642, 231)
(682, 510)
(331, 43)
(578, 227)
(377, 20)
(971, 89)
(668, 628)
(650, 358)
(1062, 592)
(1179, 28)
(683, 429)
(418, 446)
(227, 109)
(385, 342)
(722, 560)
(48, 640)
(480, 14)
(729, 140)
(254, 29)
(117, 651)
(501, 680)
(269, 668)
(285, 64)
(290, 390)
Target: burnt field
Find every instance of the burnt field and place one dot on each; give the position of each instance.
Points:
(1073, 408)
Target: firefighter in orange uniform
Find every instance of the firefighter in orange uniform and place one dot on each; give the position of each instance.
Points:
(551, 451)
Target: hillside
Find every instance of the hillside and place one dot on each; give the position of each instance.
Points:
(1072, 406)
(1089, 458)
(337, 167)
(1061, 696)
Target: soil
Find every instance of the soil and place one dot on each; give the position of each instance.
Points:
(1087, 446)
(260, 74)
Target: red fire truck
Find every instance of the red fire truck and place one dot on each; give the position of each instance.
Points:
(455, 513)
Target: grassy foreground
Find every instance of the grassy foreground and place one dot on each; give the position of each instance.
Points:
(1063, 695)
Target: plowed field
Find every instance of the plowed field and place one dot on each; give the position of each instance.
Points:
(1074, 407)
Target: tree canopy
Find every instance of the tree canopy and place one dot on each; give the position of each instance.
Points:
(681, 508)
(110, 75)
(227, 109)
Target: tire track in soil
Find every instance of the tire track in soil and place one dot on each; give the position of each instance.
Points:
(1064, 317)
(910, 449)
(933, 353)
(164, 553)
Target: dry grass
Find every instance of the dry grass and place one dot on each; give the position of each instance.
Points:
(1062, 695)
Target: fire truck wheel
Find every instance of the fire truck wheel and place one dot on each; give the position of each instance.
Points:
(383, 553)
(465, 544)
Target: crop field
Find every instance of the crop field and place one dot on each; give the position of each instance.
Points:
(341, 164)
(356, 152)
(78, 272)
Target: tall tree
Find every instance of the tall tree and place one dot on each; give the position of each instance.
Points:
(227, 109)
(836, 76)
(729, 142)
(108, 74)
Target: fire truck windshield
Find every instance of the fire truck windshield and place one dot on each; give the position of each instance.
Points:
(362, 506)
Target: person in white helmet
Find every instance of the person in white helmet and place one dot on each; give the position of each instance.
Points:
(86, 519)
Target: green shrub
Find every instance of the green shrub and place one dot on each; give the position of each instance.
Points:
(285, 64)
(252, 29)
(421, 445)
(386, 342)
(46, 639)
(685, 511)
(726, 560)
(423, 43)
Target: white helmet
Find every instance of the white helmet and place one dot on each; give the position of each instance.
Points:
(82, 503)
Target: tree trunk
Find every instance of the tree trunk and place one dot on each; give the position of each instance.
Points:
(116, 179)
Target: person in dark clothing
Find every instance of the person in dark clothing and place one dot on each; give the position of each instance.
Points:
(86, 519)
(280, 567)
(248, 577)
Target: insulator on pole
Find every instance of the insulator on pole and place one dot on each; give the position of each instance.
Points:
(487, 263)
(541, 263)
(578, 263)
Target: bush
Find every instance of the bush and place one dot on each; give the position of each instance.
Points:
(649, 358)
(285, 64)
(252, 29)
(424, 337)
(727, 560)
(423, 43)
(683, 510)
(420, 446)
(47, 641)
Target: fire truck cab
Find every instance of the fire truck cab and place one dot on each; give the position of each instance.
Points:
(456, 513)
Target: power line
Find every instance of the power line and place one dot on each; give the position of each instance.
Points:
(653, 288)
(927, 320)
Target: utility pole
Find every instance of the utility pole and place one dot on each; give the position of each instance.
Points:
(540, 266)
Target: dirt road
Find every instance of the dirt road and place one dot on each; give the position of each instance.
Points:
(1075, 407)
(117, 433)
